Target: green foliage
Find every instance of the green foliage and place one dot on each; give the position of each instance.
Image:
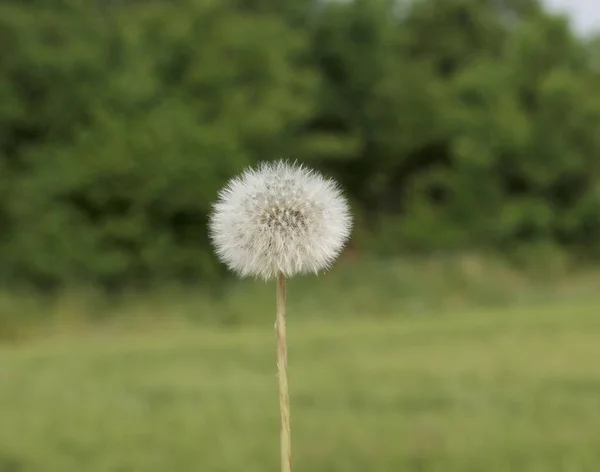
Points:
(136, 122)
(452, 125)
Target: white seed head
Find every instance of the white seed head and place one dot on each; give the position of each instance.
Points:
(279, 217)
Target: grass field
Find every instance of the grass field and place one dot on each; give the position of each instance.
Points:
(512, 390)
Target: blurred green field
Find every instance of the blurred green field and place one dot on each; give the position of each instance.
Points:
(504, 390)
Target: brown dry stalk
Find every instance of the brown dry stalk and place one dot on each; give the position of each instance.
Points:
(284, 396)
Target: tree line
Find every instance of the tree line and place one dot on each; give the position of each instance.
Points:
(451, 124)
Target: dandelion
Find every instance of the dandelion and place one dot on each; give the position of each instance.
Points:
(273, 222)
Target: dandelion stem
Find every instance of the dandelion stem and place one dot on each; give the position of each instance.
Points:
(284, 396)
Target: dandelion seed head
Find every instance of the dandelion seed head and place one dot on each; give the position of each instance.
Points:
(279, 217)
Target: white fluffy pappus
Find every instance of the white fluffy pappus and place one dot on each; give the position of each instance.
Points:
(279, 217)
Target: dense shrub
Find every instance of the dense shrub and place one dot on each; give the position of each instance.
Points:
(470, 123)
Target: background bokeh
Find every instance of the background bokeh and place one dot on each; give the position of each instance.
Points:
(460, 328)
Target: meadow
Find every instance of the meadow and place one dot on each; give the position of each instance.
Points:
(497, 389)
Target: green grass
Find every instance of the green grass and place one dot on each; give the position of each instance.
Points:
(367, 287)
(505, 390)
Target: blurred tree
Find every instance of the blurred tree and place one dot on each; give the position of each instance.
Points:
(524, 156)
(132, 125)
(451, 124)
